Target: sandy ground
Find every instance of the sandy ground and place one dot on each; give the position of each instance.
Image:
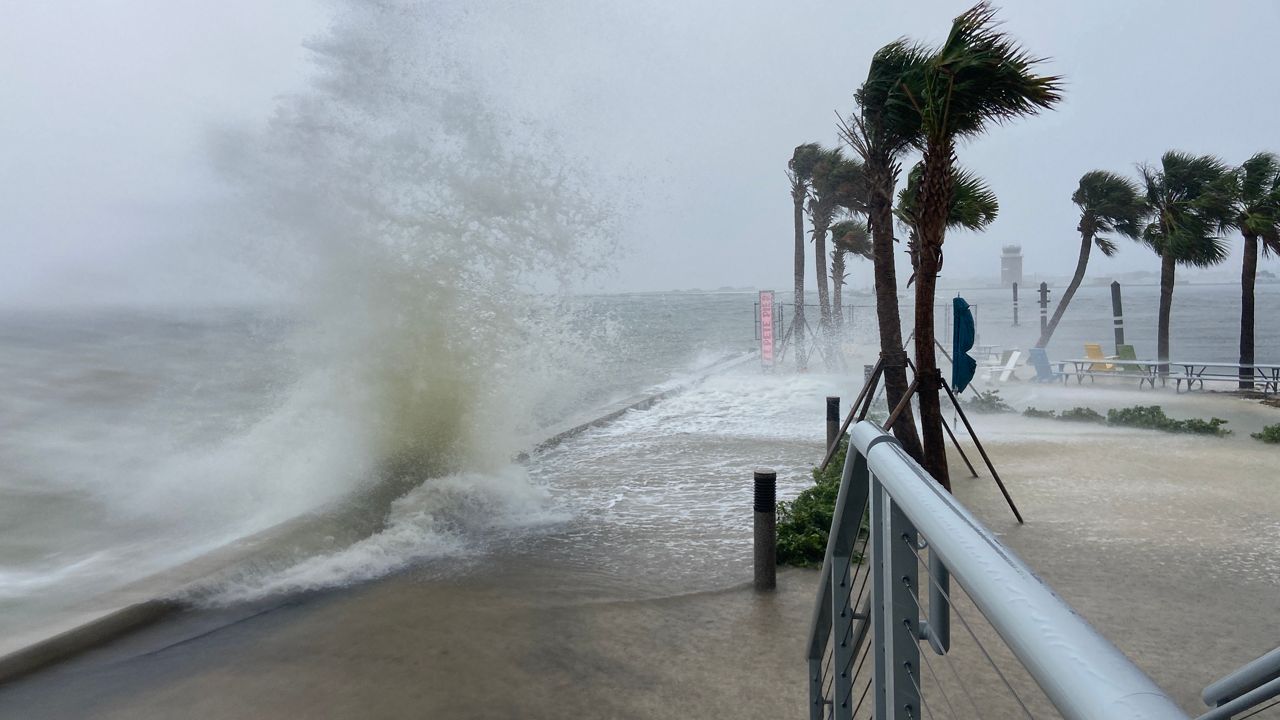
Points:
(1170, 545)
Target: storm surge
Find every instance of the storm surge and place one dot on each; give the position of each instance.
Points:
(417, 227)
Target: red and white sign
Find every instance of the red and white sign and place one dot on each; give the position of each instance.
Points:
(766, 327)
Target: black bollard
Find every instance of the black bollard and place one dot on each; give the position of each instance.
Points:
(1044, 307)
(833, 420)
(1117, 315)
(766, 528)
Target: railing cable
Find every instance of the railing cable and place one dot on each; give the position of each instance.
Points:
(865, 690)
(919, 692)
(929, 665)
(968, 629)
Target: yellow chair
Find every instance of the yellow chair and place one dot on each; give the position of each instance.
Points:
(1093, 351)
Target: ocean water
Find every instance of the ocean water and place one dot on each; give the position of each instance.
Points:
(138, 439)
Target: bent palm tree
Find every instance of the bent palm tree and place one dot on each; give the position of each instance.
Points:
(800, 172)
(1108, 203)
(880, 132)
(1254, 194)
(978, 77)
(1188, 210)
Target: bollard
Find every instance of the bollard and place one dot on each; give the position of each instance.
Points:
(833, 420)
(1117, 315)
(1044, 307)
(766, 528)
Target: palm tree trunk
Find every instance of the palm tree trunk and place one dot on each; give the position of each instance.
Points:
(893, 358)
(797, 322)
(1086, 244)
(935, 201)
(837, 290)
(1248, 274)
(820, 224)
(1167, 266)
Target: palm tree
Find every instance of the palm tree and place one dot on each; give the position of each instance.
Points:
(1108, 203)
(800, 172)
(1188, 211)
(847, 237)
(826, 191)
(979, 76)
(973, 204)
(847, 188)
(880, 132)
(1254, 193)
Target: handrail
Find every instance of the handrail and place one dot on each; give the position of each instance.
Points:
(1251, 676)
(1080, 671)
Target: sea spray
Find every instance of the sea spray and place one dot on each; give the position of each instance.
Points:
(410, 221)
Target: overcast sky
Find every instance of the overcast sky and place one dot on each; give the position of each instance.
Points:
(693, 107)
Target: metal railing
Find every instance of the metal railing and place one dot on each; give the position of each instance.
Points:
(865, 650)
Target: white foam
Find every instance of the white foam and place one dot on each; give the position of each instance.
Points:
(448, 516)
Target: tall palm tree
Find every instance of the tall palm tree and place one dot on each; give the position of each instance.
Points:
(1254, 193)
(847, 237)
(880, 132)
(1188, 211)
(1108, 204)
(978, 77)
(800, 172)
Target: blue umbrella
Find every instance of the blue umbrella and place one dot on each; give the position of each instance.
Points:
(962, 337)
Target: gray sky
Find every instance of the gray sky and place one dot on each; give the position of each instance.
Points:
(691, 108)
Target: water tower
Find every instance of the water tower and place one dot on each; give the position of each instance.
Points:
(1011, 265)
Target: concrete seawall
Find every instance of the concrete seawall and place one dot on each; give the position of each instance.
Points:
(140, 604)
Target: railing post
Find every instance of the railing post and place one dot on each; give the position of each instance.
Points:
(903, 640)
(898, 626)
(879, 618)
(847, 524)
(766, 528)
(815, 689)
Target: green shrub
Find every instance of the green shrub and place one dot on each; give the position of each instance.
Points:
(988, 402)
(1153, 417)
(1081, 414)
(1270, 434)
(1036, 413)
(804, 524)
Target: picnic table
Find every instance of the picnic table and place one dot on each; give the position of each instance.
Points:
(1197, 372)
(1145, 370)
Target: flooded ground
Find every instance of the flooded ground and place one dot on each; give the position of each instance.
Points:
(639, 606)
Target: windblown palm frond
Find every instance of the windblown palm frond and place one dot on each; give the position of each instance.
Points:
(978, 76)
(973, 205)
(890, 120)
(1109, 203)
(803, 161)
(1188, 208)
(853, 237)
(1254, 195)
(839, 182)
